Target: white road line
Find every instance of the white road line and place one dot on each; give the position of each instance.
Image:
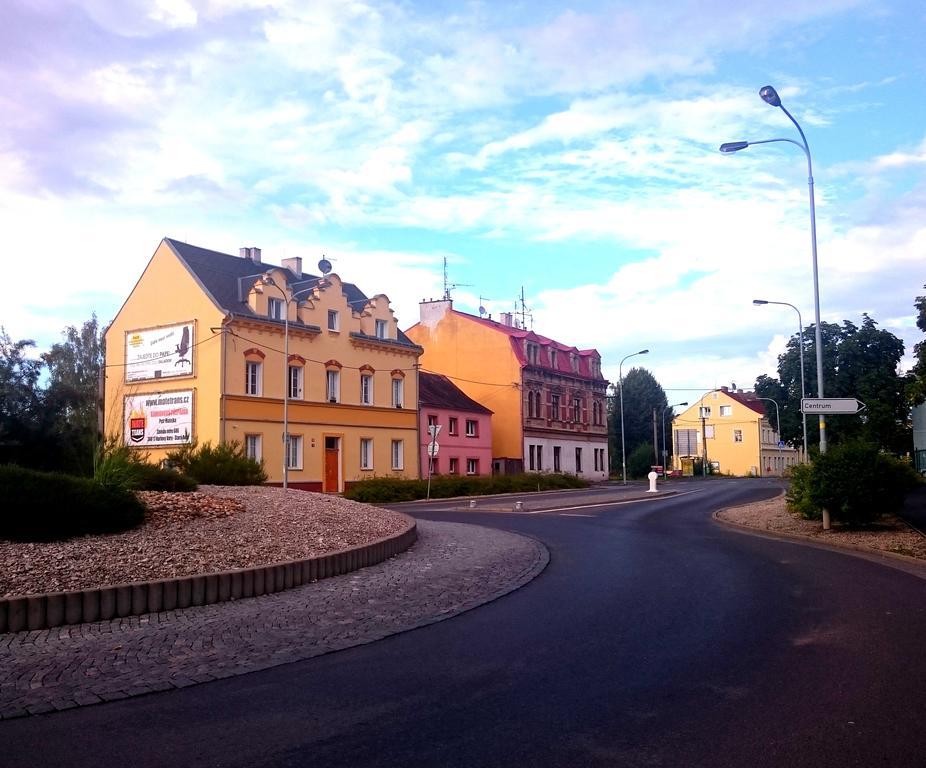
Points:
(614, 503)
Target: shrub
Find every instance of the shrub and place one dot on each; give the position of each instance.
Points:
(640, 461)
(151, 477)
(379, 490)
(855, 481)
(49, 506)
(799, 496)
(224, 464)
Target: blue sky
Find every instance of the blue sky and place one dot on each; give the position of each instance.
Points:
(567, 148)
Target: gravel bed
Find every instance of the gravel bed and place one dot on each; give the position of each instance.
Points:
(889, 535)
(217, 528)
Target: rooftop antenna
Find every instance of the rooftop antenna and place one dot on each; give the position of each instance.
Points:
(448, 286)
(482, 307)
(521, 311)
(324, 266)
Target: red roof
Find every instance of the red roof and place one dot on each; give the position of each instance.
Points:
(749, 399)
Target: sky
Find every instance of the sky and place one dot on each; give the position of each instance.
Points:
(569, 150)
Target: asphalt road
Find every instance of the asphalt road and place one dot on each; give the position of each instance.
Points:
(653, 638)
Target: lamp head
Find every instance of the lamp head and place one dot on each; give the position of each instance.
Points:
(267, 280)
(643, 352)
(733, 146)
(770, 96)
(685, 403)
(759, 302)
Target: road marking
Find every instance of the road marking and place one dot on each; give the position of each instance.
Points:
(575, 514)
(614, 503)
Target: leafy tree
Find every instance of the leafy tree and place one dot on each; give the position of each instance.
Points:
(642, 393)
(917, 383)
(20, 405)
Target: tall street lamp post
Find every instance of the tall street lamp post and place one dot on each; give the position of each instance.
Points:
(770, 96)
(800, 334)
(268, 280)
(778, 421)
(665, 452)
(620, 380)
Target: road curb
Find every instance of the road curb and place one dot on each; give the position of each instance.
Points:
(32, 612)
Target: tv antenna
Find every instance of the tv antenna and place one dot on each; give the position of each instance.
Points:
(521, 310)
(448, 286)
(324, 266)
(482, 307)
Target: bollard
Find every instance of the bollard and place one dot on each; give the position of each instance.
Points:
(652, 482)
(518, 505)
(472, 504)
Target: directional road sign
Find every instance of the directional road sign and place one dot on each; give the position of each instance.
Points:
(433, 449)
(831, 405)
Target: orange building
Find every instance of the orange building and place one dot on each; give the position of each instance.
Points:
(206, 342)
(547, 399)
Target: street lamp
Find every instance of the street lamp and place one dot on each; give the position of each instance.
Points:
(665, 452)
(770, 96)
(800, 333)
(620, 379)
(778, 420)
(267, 279)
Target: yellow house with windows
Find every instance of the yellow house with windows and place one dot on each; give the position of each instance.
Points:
(729, 429)
(215, 347)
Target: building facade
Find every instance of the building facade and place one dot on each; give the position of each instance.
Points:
(547, 399)
(214, 347)
(464, 437)
(729, 429)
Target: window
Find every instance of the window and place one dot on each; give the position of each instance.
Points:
(454, 466)
(275, 309)
(252, 377)
(435, 465)
(333, 387)
(686, 442)
(366, 389)
(398, 454)
(596, 366)
(472, 466)
(737, 435)
(333, 324)
(472, 428)
(452, 425)
(596, 412)
(294, 452)
(398, 392)
(530, 451)
(709, 431)
(252, 447)
(556, 458)
(704, 412)
(554, 409)
(295, 382)
(381, 329)
(553, 358)
(532, 350)
(726, 410)
(598, 457)
(540, 458)
(432, 420)
(578, 460)
(576, 410)
(366, 453)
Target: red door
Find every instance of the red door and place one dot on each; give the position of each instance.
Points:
(332, 464)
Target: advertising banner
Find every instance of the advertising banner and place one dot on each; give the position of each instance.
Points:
(159, 419)
(159, 353)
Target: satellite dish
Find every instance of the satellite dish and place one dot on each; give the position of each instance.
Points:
(482, 311)
(324, 266)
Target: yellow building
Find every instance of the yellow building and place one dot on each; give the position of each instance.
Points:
(730, 430)
(547, 399)
(204, 344)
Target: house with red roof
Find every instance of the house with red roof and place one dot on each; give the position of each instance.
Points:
(547, 398)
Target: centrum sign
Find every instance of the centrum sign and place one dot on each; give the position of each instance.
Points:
(831, 405)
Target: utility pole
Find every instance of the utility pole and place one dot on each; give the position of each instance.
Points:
(703, 443)
(655, 440)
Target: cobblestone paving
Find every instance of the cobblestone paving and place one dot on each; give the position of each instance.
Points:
(451, 568)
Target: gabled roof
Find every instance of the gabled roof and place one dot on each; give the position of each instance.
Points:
(440, 392)
(749, 399)
(220, 273)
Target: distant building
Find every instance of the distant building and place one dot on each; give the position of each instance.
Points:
(465, 436)
(730, 429)
(197, 353)
(547, 399)
(919, 437)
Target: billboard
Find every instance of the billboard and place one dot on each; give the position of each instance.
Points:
(159, 353)
(158, 419)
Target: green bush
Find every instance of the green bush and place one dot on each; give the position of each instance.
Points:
(855, 481)
(49, 506)
(640, 461)
(115, 465)
(224, 464)
(151, 477)
(379, 490)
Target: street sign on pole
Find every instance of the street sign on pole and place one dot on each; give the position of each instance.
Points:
(433, 449)
(824, 405)
(434, 430)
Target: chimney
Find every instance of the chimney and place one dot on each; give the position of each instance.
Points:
(724, 389)
(431, 312)
(251, 253)
(294, 265)
(507, 319)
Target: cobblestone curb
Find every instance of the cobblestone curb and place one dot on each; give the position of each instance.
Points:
(451, 568)
(56, 609)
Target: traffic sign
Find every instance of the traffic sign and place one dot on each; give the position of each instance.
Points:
(433, 448)
(831, 405)
(434, 430)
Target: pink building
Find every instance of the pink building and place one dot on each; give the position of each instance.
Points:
(465, 436)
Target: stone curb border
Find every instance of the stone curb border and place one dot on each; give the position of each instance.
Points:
(904, 562)
(100, 604)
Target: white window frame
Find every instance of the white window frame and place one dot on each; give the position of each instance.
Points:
(253, 448)
(366, 453)
(366, 389)
(253, 378)
(398, 392)
(709, 431)
(334, 320)
(397, 452)
(332, 386)
(454, 466)
(557, 459)
(704, 412)
(275, 308)
(472, 428)
(453, 425)
(472, 466)
(295, 381)
(381, 329)
(726, 410)
(737, 435)
(294, 452)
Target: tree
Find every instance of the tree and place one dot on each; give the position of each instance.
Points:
(20, 405)
(917, 382)
(642, 393)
